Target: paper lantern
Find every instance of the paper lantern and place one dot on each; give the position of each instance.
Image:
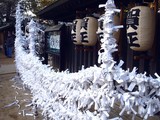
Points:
(116, 21)
(88, 31)
(76, 26)
(100, 30)
(140, 28)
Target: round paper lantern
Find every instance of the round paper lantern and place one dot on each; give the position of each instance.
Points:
(88, 31)
(140, 28)
(100, 30)
(116, 34)
(76, 26)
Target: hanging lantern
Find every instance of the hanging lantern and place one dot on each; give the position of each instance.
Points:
(116, 34)
(140, 28)
(76, 26)
(100, 30)
(88, 31)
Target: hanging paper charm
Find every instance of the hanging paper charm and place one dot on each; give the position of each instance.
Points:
(116, 21)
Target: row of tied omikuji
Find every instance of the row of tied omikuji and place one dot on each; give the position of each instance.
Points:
(140, 29)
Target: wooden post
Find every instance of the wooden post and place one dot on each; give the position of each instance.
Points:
(155, 4)
(153, 51)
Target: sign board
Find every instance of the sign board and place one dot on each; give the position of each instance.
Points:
(53, 40)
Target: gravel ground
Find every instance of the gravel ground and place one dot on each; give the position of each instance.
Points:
(15, 101)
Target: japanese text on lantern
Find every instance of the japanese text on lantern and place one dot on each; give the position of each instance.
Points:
(74, 31)
(84, 30)
(132, 23)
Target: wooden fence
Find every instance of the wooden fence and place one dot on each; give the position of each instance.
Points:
(75, 57)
